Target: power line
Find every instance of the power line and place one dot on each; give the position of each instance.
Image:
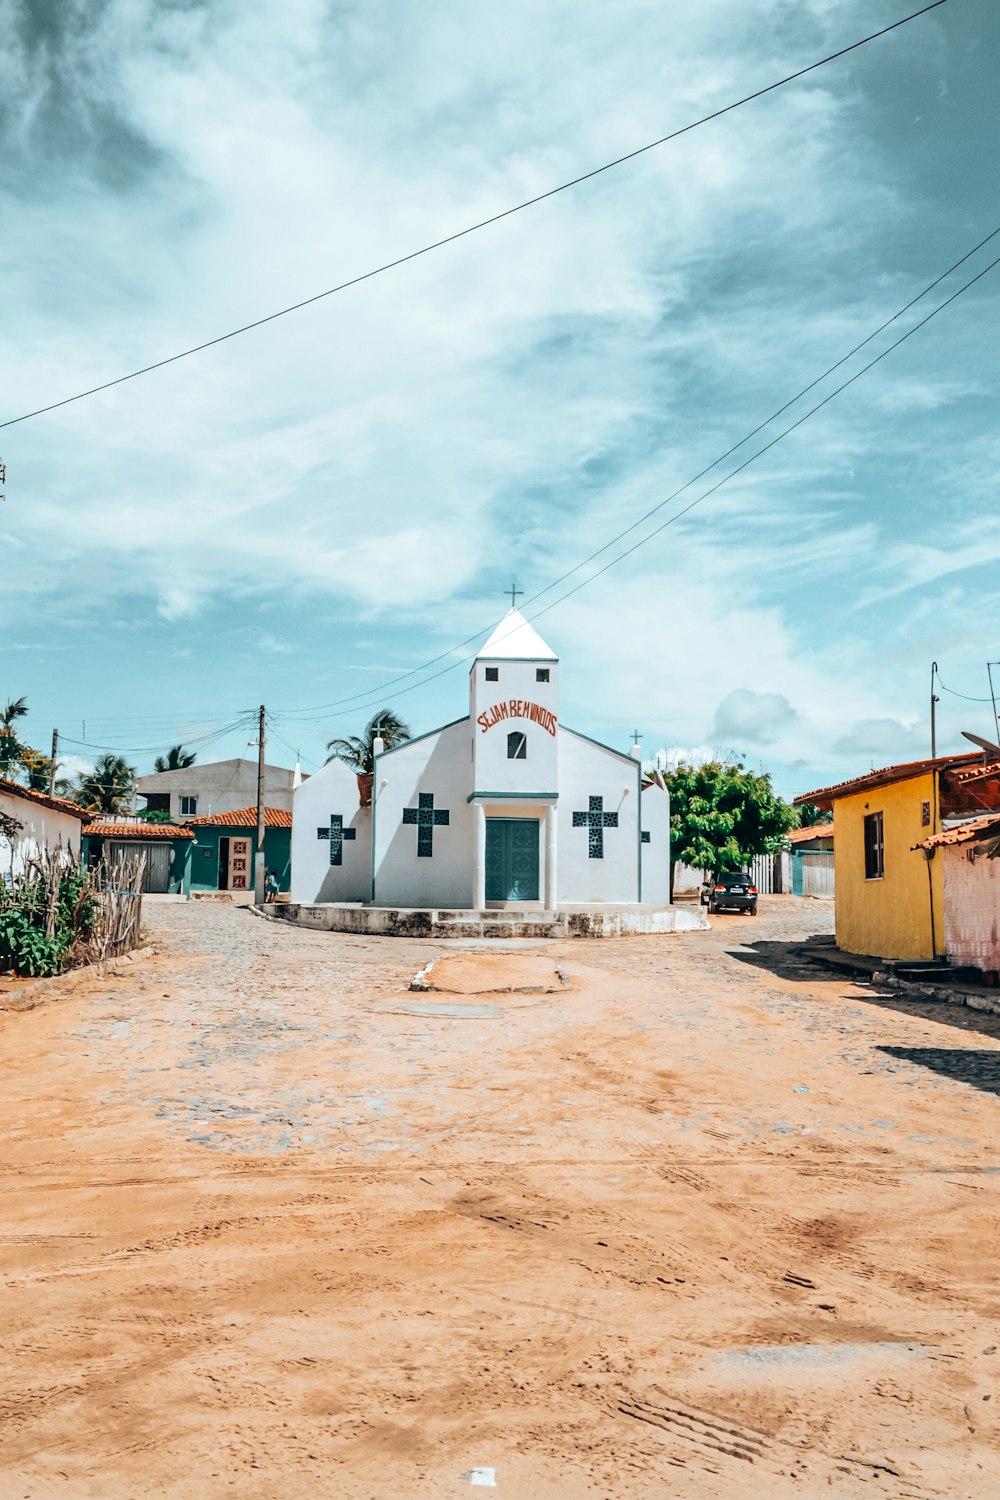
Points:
(459, 234)
(414, 671)
(967, 696)
(726, 477)
(201, 743)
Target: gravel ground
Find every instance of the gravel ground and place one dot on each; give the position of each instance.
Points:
(710, 1222)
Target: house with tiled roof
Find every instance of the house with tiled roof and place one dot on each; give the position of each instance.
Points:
(890, 901)
(32, 822)
(223, 854)
(167, 848)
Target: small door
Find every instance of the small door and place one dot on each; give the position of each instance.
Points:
(223, 864)
(512, 859)
(240, 864)
(157, 868)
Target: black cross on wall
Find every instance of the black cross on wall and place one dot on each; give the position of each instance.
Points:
(595, 821)
(336, 833)
(427, 817)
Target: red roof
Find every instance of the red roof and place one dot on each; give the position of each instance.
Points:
(817, 831)
(137, 832)
(886, 776)
(244, 817)
(977, 773)
(57, 804)
(965, 833)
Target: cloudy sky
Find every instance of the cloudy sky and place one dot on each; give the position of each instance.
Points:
(302, 514)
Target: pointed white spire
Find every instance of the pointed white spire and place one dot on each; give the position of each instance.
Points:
(297, 774)
(516, 640)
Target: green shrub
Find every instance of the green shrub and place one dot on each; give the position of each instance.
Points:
(24, 946)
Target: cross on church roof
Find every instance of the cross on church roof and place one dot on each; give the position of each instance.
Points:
(515, 594)
(636, 736)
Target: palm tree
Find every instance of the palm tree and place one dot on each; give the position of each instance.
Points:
(358, 752)
(176, 759)
(39, 771)
(11, 748)
(108, 787)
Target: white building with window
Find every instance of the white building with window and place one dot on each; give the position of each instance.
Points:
(504, 807)
(218, 786)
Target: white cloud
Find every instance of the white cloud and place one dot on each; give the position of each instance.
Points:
(503, 405)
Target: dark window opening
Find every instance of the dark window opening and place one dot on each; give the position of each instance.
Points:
(517, 746)
(157, 801)
(492, 674)
(541, 674)
(874, 848)
(189, 806)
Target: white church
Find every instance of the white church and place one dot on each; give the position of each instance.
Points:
(503, 808)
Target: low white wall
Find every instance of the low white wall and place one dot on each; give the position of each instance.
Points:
(41, 828)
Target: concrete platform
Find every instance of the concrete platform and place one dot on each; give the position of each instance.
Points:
(577, 921)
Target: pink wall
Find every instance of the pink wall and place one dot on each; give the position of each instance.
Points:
(971, 908)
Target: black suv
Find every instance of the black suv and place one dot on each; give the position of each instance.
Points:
(732, 889)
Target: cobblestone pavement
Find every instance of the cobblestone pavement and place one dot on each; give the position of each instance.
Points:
(711, 1223)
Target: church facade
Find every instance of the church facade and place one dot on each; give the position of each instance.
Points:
(505, 807)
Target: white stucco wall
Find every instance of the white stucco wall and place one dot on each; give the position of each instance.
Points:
(334, 789)
(439, 763)
(587, 769)
(655, 803)
(42, 828)
(219, 786)
(517, 702)
(971, 908)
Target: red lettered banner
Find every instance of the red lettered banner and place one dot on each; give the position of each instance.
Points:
(517, 708)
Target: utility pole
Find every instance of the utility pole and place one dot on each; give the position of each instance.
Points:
(52, 767)
(934, 703)
(258, 862)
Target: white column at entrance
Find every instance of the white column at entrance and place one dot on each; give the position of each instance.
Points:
(479, 858)
(551, 859)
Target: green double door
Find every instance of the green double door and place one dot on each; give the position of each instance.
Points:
(511, 859)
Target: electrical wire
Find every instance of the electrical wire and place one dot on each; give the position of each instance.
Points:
(967, 696)
(685, 510)
(392, 682)
(200, 744)
(482, 223)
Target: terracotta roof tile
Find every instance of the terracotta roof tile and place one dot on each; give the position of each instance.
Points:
(976, 773)
(57, 804)
(244, 817)
(886, 776)
(817, 831)
(965, 833)
(140, 832)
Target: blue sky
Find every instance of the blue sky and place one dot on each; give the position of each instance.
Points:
(301, 514)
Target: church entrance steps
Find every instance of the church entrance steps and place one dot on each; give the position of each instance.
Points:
(580, 921)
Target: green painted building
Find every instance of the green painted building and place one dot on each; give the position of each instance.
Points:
(222, 857)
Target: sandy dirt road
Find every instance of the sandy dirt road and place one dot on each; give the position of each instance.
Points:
(710, 1223)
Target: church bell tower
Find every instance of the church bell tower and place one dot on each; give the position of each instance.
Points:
(514, 703)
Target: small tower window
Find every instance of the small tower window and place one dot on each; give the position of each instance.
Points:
(492, 674)
(541, 674)
(517, 745)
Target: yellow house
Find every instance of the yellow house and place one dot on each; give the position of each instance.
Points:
(889, 901)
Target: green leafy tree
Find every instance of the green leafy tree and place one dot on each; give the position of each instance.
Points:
(176, 759)
(722, 815)
(358, 752)
(108, 787)
(810, 815)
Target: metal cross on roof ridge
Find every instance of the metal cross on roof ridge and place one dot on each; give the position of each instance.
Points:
(515, 594)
